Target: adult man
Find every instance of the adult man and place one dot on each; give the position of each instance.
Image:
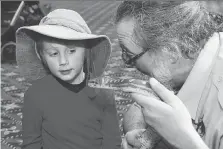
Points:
(170, 42)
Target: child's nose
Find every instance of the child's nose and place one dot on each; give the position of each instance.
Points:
(64, 60)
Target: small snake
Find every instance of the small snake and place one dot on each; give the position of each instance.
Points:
(128, 84)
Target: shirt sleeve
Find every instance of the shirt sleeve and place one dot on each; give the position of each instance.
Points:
(110, 125)
(32, 121)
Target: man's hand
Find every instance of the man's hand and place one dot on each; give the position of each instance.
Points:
(170, 118)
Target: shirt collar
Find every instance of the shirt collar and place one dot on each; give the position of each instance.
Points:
(193, 87)
(90, 92)
(73, 87)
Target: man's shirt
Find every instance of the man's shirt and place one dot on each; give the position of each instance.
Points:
(202, 93)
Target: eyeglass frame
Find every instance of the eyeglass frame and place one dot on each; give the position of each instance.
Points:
(133, 59)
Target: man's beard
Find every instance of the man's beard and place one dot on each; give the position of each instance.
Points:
(166, 80)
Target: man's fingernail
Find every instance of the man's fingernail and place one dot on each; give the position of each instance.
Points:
(134, 94)
(153, 81)
(136, 97)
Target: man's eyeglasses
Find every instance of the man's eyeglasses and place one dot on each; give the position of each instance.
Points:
(130, 58)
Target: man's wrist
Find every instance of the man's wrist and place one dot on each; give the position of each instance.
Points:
(195, 141)
(199, 143)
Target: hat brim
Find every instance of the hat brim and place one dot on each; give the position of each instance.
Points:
(32, 68)
(60, 32)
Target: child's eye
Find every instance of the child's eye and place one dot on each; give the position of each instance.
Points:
(54, 54)
(72, 51)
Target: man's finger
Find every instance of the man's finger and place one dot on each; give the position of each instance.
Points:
(166, 95)
(133, 136)
(148, 102)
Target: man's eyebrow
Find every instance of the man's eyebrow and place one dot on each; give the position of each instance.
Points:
(122, 46)
(126, 49)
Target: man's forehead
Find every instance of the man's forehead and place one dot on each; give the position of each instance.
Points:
(125, 27)
(126, 32)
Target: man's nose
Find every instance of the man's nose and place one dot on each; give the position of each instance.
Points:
(64, 59)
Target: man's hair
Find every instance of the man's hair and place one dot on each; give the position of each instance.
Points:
(177, 27)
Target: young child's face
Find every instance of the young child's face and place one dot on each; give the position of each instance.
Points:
(64, 59)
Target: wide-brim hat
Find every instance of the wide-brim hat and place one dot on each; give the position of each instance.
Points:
(61, 24)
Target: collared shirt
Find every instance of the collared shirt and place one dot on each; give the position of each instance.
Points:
(202, 93)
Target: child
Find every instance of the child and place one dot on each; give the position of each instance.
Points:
(60, 110)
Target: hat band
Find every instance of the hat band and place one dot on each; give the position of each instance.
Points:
(65, 23)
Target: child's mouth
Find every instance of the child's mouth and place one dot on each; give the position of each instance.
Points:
(65, 72)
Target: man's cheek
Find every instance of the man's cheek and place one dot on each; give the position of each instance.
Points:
(164, 76)
(145, 67)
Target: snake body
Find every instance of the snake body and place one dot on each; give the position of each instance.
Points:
(123, 83)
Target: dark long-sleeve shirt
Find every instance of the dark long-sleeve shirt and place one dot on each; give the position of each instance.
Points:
(58, 115)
